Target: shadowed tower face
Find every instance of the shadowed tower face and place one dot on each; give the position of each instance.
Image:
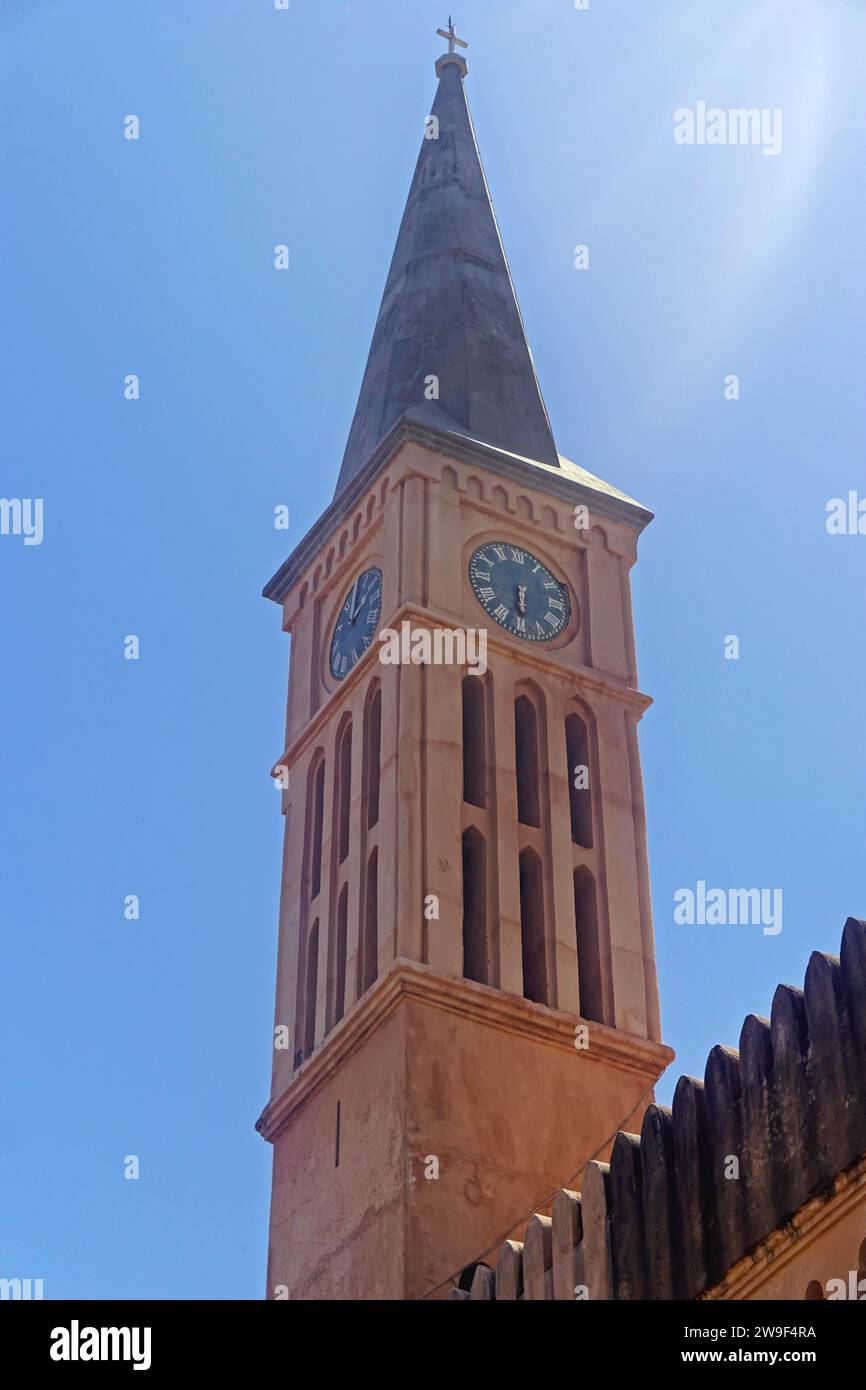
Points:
(466, 993)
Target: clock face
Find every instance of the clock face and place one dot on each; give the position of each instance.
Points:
(519, 591)
(356, 625)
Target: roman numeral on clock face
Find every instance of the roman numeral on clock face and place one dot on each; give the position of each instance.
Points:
(518, 590)
(356, 623)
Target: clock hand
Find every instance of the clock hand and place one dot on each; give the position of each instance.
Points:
(353, 612)
(521, 598)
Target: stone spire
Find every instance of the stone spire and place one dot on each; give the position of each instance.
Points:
(449, 311)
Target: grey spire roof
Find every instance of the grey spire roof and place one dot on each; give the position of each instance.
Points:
(449, 310)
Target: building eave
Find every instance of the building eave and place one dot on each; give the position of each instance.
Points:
(559, 483)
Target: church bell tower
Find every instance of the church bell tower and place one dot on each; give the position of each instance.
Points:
(466, 997)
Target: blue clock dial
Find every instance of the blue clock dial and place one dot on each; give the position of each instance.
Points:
(356, 625)
(519, 592)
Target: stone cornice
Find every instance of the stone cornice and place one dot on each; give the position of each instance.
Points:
(788, 1242)
(589, 678)
(554, 481)
(410, 981)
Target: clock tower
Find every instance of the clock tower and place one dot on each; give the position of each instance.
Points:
(466, 1004)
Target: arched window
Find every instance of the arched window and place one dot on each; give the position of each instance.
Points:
(475, 906)
(474, 742)
(316, 811)
(369, 957)
(340, 954)
(312, 976)
(813, 1291)
(532, 935)
(579, 793)
(588, 952)
(526, 758)
(344, 791)
(372, 753)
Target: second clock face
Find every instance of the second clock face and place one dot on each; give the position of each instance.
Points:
(357, 622)
(519, 592)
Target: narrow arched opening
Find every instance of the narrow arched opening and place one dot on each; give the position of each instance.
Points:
(317, 811)
(340, 954)
(372, 754)
(526, 761)
(579, 789)
(344, 792)
(370, 938)
(588, 950)
(474, 742)
(475, 906)
(532, 933)
(311, 989)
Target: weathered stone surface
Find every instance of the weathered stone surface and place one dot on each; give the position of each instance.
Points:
(757, 1167)
(627, 1233)
(853, 962)
(792, 1097)
(830, 1148)
(567, 1235)
(537, 1257)
(658, 1191)
(695, 1216)
(596, 1209)
(509, 1271)
(724, 1127)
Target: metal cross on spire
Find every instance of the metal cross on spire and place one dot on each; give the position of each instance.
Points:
(452, 38)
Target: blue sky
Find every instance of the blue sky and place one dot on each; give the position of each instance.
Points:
(155, 257)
